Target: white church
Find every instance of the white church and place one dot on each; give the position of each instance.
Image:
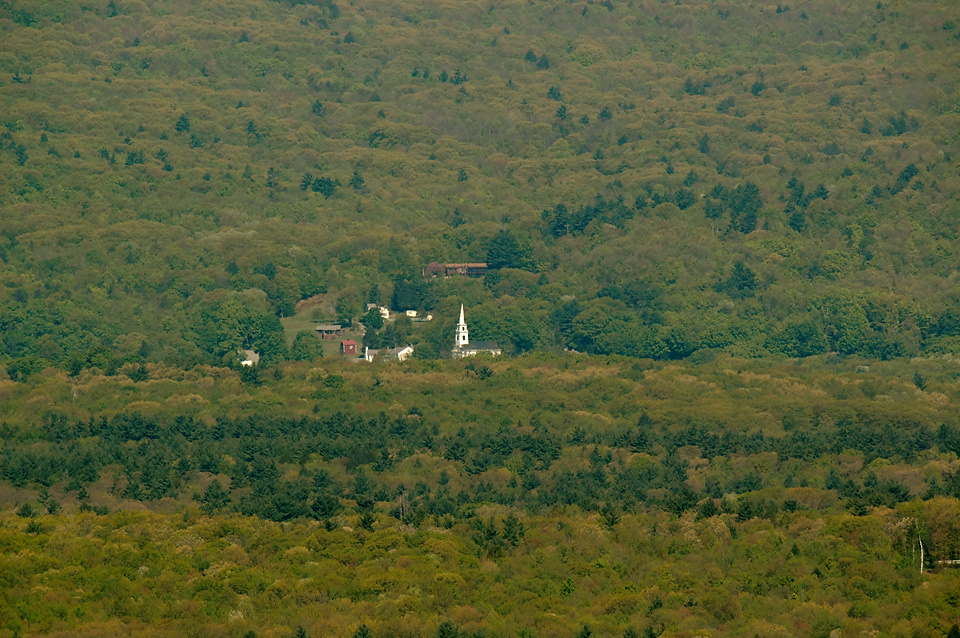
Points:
(463, 347)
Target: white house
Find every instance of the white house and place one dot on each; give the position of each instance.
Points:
(384, 312)
(390, 354)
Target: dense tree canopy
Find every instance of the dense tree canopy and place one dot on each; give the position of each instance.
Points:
(317, 148)
(594, 481)
(722, 248)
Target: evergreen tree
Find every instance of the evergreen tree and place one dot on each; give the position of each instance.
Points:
(797, 220)
(214, 498)
(447, 630)
(741, 283)
(504, 251)
(325, 186)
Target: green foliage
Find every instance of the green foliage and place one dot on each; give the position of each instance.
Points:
(236, 323)
(170, 190)
(463, 485)
(373, 320)
(306, 347)
(214, 498)
(152, 215)
(504, 251)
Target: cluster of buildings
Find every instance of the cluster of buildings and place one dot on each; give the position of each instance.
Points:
(462, 346)
(473, 270)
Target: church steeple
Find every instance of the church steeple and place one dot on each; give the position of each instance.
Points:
(462, 336)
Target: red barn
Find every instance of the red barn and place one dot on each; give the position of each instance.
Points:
(348, 346)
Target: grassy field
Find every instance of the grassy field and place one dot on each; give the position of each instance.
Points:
(310, 312)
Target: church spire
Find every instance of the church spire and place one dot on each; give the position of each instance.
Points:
(462, 335)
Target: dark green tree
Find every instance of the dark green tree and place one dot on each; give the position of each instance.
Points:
(373, 320)
(704, 144)
(324, 506)
(273, 177)
(447, 630)
(409, 293)
(685, 198)
(183, 124)
(325, 186)
(919, 381)
(744, 203)
(504, 251)
(742, 282)
(214, 498)
(712, 209)
(797, 220)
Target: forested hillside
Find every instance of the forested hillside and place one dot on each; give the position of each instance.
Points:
(722, 241)
(646, 178)
(541, 496)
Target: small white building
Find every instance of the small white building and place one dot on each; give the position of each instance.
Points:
(250, 358)
(384, 312)
(389, 354)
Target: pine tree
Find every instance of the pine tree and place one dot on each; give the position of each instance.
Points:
(356, 182)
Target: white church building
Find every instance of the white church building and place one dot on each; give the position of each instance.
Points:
(463, 347)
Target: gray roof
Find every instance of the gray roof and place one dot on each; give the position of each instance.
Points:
(329, 327)
(481, 345)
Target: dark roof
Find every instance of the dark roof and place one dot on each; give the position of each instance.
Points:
(466, 265)
(481, 345)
